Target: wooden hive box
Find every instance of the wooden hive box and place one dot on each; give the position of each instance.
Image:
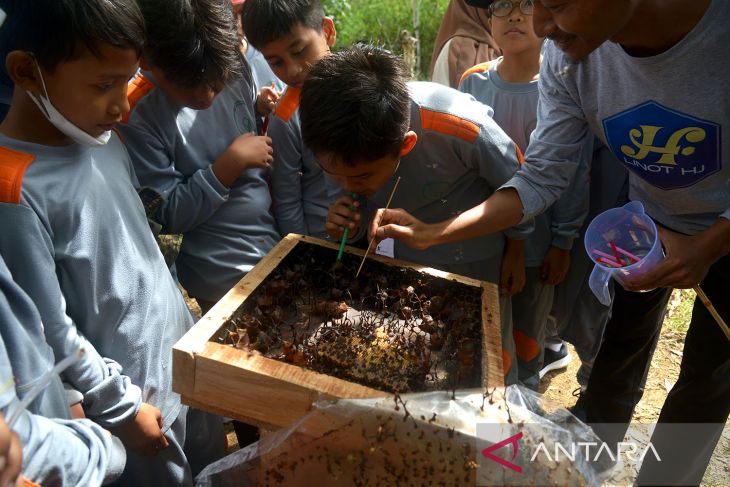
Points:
(271, 393)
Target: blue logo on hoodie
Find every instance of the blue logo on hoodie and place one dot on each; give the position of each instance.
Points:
(666, 148)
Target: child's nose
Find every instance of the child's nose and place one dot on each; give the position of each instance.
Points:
(294, 70)
(516, 15)
(120, 105)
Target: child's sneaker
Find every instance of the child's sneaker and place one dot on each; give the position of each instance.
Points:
(555, 360)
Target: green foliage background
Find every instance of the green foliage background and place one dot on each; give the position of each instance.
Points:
(381, 21)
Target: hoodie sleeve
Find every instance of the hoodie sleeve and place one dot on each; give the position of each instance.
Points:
(110, 398)
(556, 147)
(58, 452)
(571, 210)
(188, 200)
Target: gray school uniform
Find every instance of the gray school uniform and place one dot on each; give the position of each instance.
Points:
(515, 110)
(76, 238)
(673, 145)
(55, 451)
(226, 231)
(303, 192)
(460, 159)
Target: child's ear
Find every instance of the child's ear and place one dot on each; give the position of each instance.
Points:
(409, 142)
(329, 30)
(22, 70)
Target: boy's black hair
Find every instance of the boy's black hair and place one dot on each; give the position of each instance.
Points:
(355, 105)
(192, 41)
(268, 20)
(60, 30)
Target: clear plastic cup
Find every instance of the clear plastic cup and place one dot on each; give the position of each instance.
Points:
(628, 233)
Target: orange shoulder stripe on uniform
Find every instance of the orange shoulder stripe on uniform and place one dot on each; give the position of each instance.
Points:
(28, 483)
(13, 165)
(449, 124)
(479, 68)
(136, 90)
(520, 157)
(288, 103)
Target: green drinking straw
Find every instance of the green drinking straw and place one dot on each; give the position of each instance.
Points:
(344, 235)
(342, 244)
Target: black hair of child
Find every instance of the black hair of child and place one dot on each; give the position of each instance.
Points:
(355, 105)
(56, 31)
(192, 41)
(268, 20)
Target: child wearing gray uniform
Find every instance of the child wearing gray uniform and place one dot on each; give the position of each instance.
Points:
(190, 135)
(443, 144)
(75, 235)
(57, 451)
(509, 85)
(292, 35)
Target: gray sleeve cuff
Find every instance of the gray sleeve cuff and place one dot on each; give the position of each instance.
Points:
(532, 205)
(214, 186)
(564, 242)
(726, 215)
(72, 395)
(521, 231)
(117, 461)
(114, 401)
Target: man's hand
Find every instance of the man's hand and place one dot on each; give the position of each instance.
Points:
(11, 456)
(512, 278)
(402, 226)
(143, 434)
(688, 259)
(555, 266)
(343, 213)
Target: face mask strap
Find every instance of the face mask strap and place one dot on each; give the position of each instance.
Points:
(43, 83)
(56, 118)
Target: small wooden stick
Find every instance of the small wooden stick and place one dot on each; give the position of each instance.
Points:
(390, 198)
(708, 304)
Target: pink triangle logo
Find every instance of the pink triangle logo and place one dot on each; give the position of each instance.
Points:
(512, 440)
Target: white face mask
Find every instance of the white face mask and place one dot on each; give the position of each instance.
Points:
(62, 123)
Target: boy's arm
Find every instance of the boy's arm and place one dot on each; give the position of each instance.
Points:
(109, 397)
(286, 176)
(59, 452)
(188, 201)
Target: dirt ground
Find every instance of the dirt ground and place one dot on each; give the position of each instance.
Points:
(558, 386)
